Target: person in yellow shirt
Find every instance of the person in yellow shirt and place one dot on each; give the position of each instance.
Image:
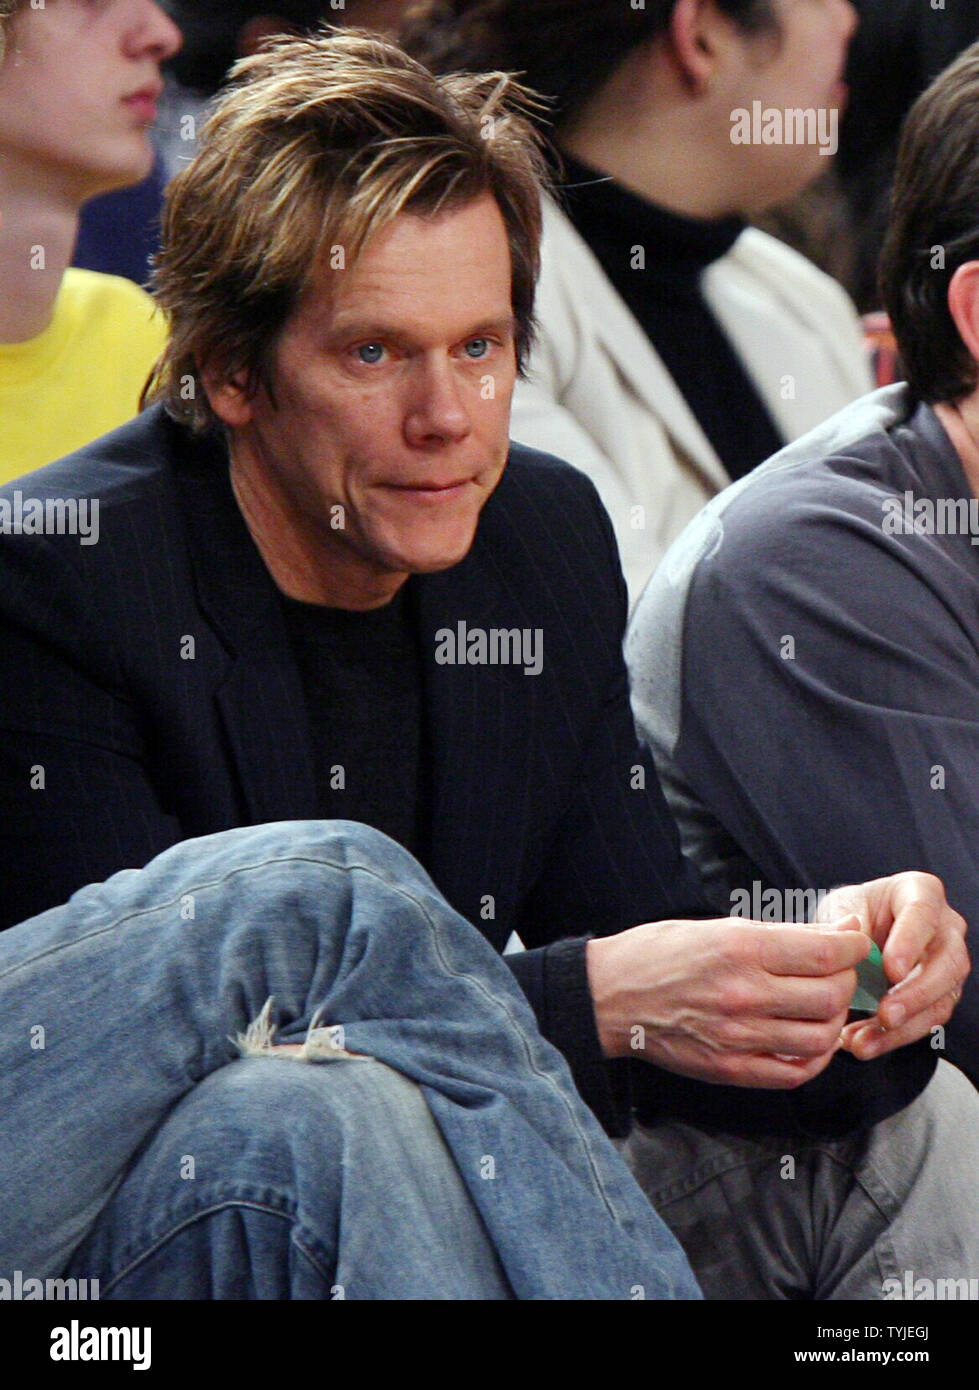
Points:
(79, 83)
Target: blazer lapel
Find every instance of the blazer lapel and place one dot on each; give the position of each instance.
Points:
(627, 345)
(481, 729)
(260, 700)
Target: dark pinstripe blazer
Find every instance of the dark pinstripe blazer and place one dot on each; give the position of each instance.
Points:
(150, 676)
(148, 683)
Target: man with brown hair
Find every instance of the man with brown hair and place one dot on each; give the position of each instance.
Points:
(326, 588)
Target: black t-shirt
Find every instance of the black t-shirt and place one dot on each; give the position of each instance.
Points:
(361, 676)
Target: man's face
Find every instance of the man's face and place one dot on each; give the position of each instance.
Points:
(78, 88)
(392, 386)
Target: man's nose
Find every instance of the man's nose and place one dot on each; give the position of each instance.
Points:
(437, 408)
(152, 32)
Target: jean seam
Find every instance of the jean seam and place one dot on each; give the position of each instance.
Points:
(525, 1040)
(214, 1195)
(85, 937)
(292, 858)
(251, 1204)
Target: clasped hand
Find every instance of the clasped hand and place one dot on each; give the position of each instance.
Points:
(765, 1005)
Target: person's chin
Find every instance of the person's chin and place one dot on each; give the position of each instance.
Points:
(124, 174)
(434, 556)
(435, 561)
(135, 159)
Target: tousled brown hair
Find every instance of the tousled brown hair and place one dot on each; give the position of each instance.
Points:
(319, 142)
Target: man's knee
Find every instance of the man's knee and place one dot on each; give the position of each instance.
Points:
(245, 1171)
(282, 1112)
(341, 844)
(250, 1124)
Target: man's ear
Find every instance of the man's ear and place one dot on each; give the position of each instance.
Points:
(229, 397)
(963, 305)
(697, 33)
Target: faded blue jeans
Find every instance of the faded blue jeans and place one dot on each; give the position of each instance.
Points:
(449, 1157)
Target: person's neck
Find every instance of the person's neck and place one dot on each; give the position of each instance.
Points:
(961, 423)
(303, 564)
(636, 144)
(37, 239)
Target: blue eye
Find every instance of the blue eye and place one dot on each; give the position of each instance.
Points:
(370, 353)
(480, 343)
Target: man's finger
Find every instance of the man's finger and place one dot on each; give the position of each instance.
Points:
(791, 950)
(765, 1072)
(941, 974)
(868, 1040)
(915, 925)
(807, 997)
(783, 1037)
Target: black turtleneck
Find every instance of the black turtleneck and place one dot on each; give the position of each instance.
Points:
(663, 291)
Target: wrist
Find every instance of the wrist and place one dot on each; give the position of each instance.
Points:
(613, 1038)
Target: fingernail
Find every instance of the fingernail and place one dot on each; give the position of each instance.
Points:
(897, 1013)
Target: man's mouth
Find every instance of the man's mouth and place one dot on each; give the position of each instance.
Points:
(447, 489)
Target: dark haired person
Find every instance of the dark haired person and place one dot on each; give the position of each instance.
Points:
(678, 347)
(805, 664)
(215, 37)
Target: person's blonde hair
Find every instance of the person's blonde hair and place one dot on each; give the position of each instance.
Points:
(315, 145)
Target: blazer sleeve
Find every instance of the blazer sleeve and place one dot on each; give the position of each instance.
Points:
(615, 858)
(76, 800)
(613, 862)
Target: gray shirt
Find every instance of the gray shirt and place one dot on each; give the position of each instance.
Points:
(805, 669)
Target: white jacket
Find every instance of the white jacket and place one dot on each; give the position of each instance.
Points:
(599, 395)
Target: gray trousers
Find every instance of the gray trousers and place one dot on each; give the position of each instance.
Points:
(889, 1212)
